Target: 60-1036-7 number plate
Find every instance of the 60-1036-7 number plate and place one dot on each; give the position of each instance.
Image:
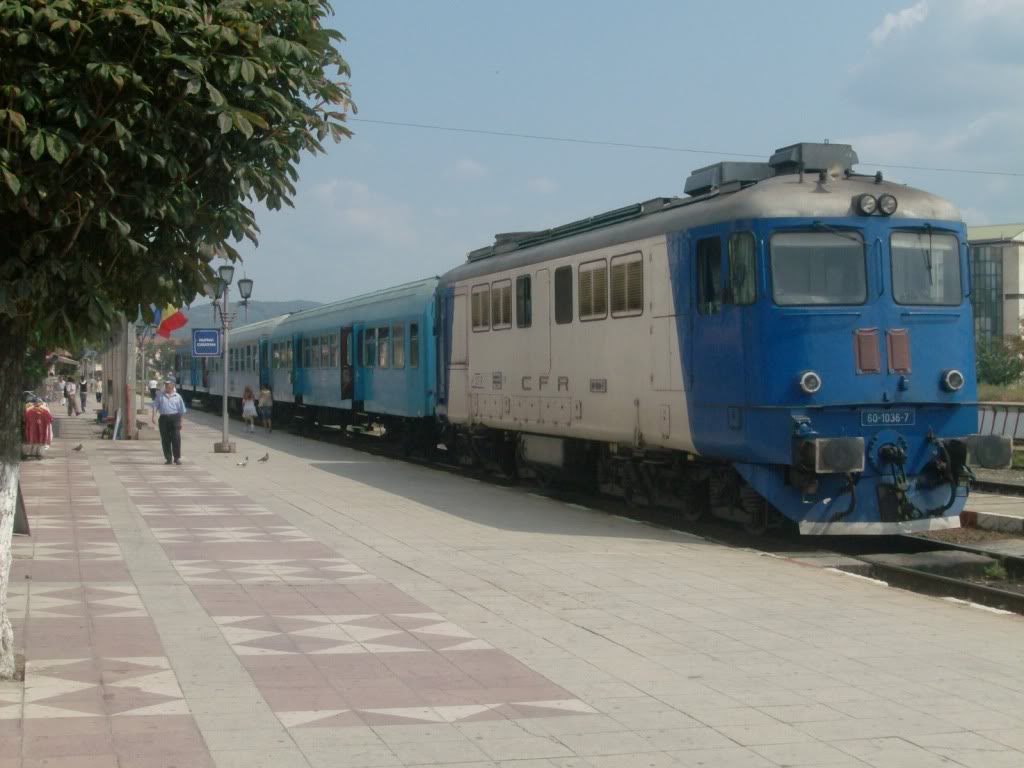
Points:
(887, 417)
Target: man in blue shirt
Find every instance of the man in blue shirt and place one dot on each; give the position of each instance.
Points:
(171, 408)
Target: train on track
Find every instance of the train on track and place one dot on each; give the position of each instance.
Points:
(788, 344)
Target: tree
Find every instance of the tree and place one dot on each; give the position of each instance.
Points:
(999, 361)
(134, 136)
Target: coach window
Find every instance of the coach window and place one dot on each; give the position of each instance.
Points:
(383, 348)
(370, 347)
(709, 276)
(524, 302)
(593, 290)
(501, 305)
(334, 350)
(481, 300)
(627, 285)
(325, 351)
(289, 358)
(414, 345)
(563, 295)
(398, 345)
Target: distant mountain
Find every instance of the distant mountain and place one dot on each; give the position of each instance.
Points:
(203, 315)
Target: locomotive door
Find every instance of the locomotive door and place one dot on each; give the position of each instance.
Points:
(666, 332)
(723, 273)
(540, 348)
(348, 371)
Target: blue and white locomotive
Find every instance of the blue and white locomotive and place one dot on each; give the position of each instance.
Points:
(791, 343)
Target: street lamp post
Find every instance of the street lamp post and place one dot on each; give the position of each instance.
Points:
(226, 272)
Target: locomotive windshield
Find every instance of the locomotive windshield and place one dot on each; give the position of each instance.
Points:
(925, 268)
(818, 268)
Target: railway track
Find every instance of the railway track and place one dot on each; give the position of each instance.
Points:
(784, 544)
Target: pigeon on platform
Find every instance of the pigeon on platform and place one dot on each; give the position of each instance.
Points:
(265, 459)
(243, 462)
(78, 447)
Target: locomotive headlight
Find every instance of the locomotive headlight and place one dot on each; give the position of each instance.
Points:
(887, 205)
(867, 204)
(810, 382)
(952, 380)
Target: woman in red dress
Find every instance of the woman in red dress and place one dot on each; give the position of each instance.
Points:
(38, 429)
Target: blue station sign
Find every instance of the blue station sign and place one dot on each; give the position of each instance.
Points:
(206, 342)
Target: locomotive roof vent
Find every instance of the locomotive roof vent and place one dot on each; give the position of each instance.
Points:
(812, 158)
(719, 175)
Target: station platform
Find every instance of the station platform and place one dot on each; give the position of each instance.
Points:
(330, 608)
(997, 512)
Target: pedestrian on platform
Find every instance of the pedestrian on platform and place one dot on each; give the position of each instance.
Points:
(98, 389)
(152, 389)
(266, 407)
(71, 396)
(83, 391)
(171, 408)
(249, 408)
(38, 429)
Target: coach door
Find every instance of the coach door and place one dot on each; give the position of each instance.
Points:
(540, 348)
(348, 370)
(666, 332)
(264, 355)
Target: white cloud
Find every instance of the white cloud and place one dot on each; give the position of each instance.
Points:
(542, 185)
(900, 21)
(355, 209)
(465, 168)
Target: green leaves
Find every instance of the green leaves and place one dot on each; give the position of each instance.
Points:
(56, 148)
(137, 137)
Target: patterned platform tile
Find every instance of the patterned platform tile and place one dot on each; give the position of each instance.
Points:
(44, 522)
(60, 601)
(80, 550)
(323, 570)
(459, 713)
(320, 634)
(175, 511)
(98, 687)
(230, 534)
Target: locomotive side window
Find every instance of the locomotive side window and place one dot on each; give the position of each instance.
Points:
(414, 345)
(627, 285)
(818, 268)
(398, 345)
(481, 309)
(742, 268)
(709, 276)
(593, 290)
(524, 302)
(563, 295)
(925, 268)
(501, 305)
(383, 348)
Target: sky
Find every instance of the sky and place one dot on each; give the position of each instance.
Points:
(934, 83)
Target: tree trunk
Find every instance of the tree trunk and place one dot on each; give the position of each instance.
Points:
(12, 362)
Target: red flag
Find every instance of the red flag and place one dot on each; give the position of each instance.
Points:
(171, 319)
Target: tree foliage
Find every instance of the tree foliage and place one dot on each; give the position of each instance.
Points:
(1000, 362)
(136, 134)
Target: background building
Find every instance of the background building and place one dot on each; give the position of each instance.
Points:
(997, 279)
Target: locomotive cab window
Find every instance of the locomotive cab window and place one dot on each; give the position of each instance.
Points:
(481, 307)
(925, 268)
(593, 290)
(563, 295)
(742, 288)
(709, 276)
(524, 302)
(818, 268)
(627, 285)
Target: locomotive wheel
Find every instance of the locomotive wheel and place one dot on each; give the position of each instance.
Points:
(756, 521)
(695, 500)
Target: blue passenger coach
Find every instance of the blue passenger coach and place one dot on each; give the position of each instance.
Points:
(369, 355)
